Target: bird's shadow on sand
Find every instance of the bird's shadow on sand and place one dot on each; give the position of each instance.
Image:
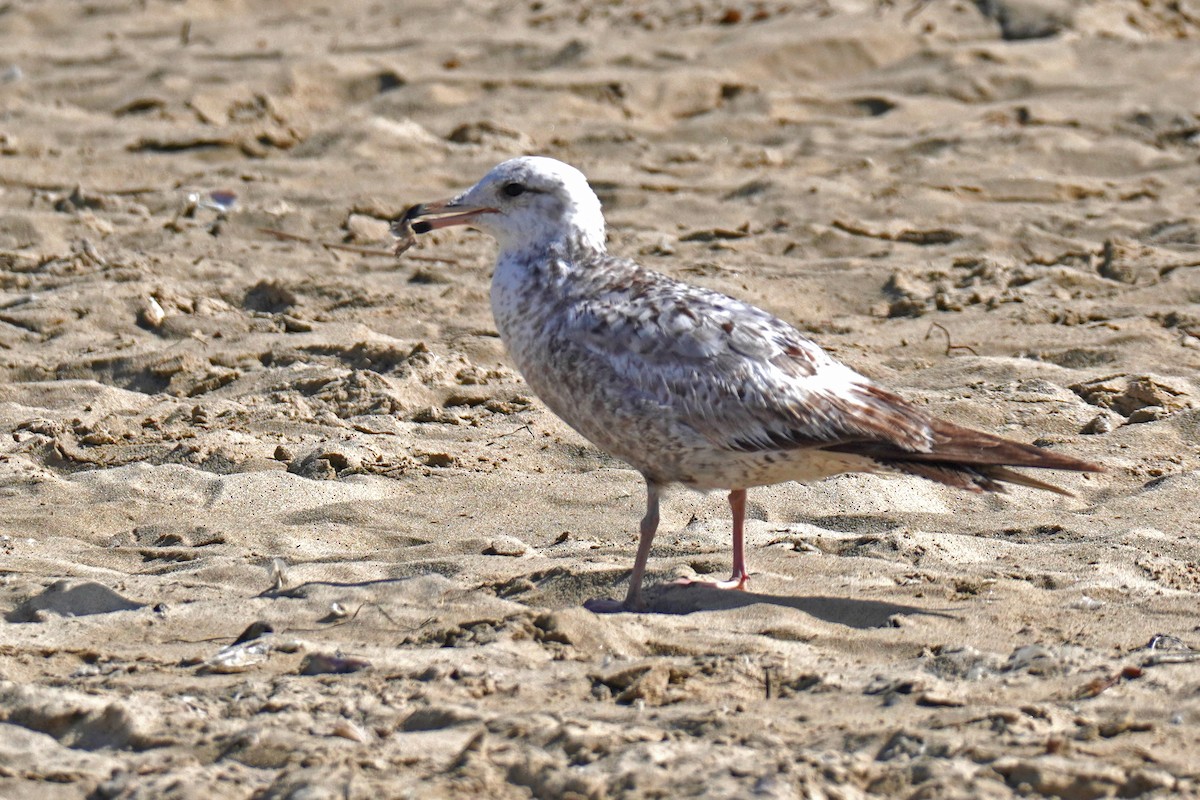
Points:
(679, 600)
(840, 610)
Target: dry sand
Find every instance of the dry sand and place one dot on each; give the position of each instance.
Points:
(208, 426)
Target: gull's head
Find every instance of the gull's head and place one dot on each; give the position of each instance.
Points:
(526, 203)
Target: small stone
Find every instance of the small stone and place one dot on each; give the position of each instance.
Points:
(238, 657)
(151, 315)
(1104, 422)
(1086, 603)
(506, 546)
(1030, 19)
(294, 324)
(348, 730)
(277, 573)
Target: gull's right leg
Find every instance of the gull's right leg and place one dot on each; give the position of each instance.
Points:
(633, 599)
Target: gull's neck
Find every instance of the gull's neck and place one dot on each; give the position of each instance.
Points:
(563, 248)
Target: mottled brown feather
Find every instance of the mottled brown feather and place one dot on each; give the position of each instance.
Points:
(969, 459)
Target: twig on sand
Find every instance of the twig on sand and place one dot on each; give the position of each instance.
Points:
(950, 346)
(518, 430)
(348, 618)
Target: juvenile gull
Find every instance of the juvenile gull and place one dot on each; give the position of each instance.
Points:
(685, 384)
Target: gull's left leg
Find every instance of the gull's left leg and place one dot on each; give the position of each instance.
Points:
(737, 505)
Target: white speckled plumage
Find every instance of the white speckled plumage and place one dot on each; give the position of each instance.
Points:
(685, 384)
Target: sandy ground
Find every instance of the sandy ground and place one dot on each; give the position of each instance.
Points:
(208, 426)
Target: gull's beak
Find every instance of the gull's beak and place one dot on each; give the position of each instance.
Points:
(426, 217)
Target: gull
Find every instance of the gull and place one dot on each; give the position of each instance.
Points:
(687, 385)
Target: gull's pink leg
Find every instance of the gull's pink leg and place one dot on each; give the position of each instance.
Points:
(737, 504)
(633, 599)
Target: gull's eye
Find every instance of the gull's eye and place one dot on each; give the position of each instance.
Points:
(514, 189)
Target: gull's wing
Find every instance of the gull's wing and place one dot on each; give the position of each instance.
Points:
(749, 382)
(742, 378)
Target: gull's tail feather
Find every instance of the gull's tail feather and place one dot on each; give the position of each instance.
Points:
(969, 459)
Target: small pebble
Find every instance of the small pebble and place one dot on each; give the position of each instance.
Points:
(150, 314)
(348, 730)
(277, 570)
(1104, 422)
(506, 546)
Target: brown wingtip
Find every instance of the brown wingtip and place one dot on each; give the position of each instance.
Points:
(1005, 475)
(973, 460)
(966, 445)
